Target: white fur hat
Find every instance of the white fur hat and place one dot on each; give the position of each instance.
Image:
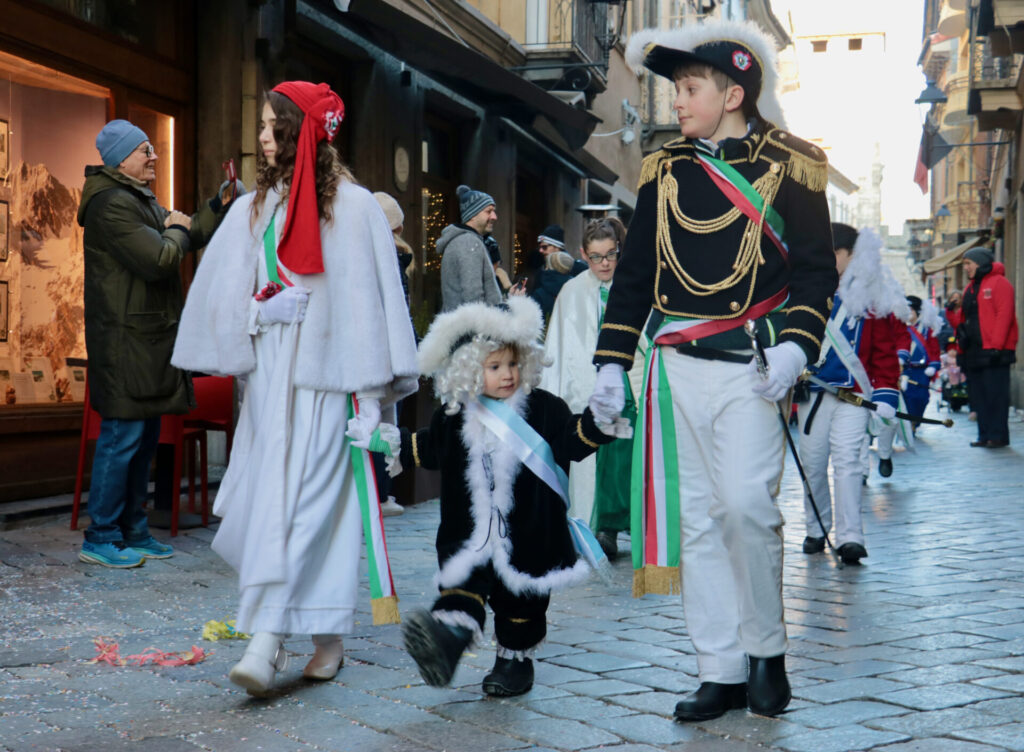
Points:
(519, 321)
(868, 286)
(392, 210)
(739, 49)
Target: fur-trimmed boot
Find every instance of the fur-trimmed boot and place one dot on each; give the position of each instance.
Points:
(328, 658)
(263, 658)
(435, 646)
(509, 677)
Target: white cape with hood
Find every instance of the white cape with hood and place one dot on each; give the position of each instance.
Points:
(291, 515)
(570, 343)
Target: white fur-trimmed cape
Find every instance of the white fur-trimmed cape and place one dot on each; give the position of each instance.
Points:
(928, 320)
(520, 321)
(868, 287)
(687, 37)
(356, 334)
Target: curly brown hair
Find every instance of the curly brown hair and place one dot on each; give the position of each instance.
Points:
(608, 228)
(330, 170)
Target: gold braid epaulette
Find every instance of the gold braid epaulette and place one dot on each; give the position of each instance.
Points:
(649, 167)
(807, 164)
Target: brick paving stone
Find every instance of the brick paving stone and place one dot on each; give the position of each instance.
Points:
(597, 662)
(937, 745)
(1008, 736)
(658, 703)
(1010, 683)
(863, 688)
(936, 722)
(944, 696)
(1010, 707)
(576, 708)
(560, 734)
(942, 674)
(855, 669)
(649, 729)
(842, 713)
(756, 729)
(604, 687)
(840, 739)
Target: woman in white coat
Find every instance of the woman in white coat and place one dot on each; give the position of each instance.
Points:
(299, 292)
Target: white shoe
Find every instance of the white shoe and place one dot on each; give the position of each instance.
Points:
(327, 660)
(263, 658)
(391, 508)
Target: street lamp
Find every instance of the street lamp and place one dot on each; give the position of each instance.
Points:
(943, 211)
(932, 94)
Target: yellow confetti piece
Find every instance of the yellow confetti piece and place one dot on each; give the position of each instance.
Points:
(215, 630)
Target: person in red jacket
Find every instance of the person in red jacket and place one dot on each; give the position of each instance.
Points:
(988, 338)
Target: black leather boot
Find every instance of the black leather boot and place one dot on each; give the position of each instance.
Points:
(509, 678)
(711, 700)
(436, 647)
(607, 539)
(767, 686)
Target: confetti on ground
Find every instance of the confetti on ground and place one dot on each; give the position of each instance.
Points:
(215, 630)
(110, 653)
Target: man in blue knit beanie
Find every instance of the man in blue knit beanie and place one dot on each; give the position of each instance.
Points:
(133, 299)
(467, 274)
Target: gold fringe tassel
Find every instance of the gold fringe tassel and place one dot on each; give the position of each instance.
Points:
(649, 168)
(656, 580)
(808, 172)
(385, 610)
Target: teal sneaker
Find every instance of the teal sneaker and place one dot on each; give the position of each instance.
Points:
(151, 548)
(115, 554)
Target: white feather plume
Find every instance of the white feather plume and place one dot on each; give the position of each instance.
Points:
(687, 37)
(929, 319)
(868, 286)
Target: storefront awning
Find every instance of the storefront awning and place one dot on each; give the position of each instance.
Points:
(464, 68)
(952, 257)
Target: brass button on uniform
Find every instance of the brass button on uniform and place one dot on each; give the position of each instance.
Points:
(664, 265)
(775, 168)
(664, 299)
(734, 306)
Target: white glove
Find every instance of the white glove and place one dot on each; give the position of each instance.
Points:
(785, 363)
(619, 428)
(929, 371)
(287, 307)
(609, 395)
(885, 411)
(361, 427)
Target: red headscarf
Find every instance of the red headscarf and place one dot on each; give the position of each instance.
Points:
(299, 249)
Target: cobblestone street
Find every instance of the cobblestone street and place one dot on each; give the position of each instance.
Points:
(922, 648)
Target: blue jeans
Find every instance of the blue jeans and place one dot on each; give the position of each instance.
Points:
(120, 480)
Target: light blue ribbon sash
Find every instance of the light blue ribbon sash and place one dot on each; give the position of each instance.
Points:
(535, 453)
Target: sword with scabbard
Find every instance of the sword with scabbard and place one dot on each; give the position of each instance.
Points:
(761, 362)
(844, 395)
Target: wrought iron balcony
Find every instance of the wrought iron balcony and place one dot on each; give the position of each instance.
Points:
(993, 98)
(567, 48)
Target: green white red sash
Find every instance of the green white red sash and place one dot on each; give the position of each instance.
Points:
(745, 198)
(383, 600)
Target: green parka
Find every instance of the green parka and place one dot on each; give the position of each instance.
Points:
(133, 295)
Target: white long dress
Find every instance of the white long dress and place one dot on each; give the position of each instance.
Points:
(291, 519)
(290, 495)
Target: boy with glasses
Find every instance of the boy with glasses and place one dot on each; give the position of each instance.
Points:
(599, 484)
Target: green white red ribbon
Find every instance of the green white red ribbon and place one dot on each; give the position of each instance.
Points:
(383, 600)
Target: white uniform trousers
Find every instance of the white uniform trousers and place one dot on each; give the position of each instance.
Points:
(838, 430)
(886, 433)
(730, 448)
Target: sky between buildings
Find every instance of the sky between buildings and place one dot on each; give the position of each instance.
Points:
(849, 100)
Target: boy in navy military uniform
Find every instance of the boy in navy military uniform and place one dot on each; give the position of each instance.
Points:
(731, 224)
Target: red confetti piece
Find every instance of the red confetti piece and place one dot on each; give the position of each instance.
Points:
(110, 653)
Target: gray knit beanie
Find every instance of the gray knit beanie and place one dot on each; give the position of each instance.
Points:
(472, 202)
(980, 256)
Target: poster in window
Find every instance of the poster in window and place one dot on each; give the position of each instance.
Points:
(4, 303)
(5, 149)
(5, 224)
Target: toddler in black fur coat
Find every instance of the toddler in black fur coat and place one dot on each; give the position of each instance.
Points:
(503, 448)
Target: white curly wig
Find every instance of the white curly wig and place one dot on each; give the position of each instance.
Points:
(458, 342)
(686, 38)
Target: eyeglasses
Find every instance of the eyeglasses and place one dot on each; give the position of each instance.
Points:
(611, 257)
(149, 151)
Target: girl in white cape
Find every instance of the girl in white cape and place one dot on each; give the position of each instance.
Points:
(299, 292)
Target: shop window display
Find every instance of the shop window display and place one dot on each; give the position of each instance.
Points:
(48, 125)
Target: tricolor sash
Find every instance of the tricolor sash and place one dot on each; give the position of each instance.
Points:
(383, 600)
(274, 270)
(744, 197)
(535, 453)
